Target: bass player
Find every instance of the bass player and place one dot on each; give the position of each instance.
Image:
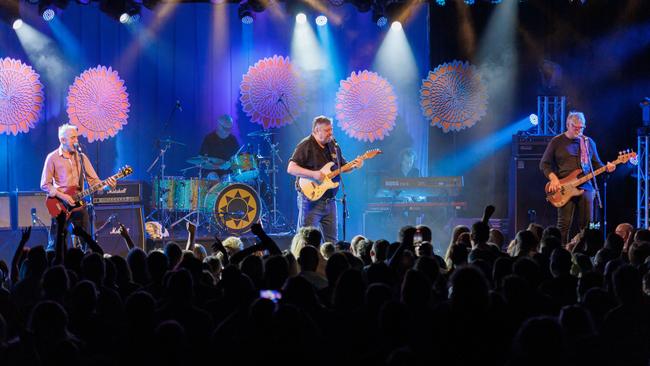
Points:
(63, 170)
(565, 153)
(310, 155)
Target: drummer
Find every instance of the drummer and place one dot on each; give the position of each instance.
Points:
(220, 143)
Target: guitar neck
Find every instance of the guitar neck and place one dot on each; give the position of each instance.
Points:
(92, 189)
(344, 169)
(595, 173)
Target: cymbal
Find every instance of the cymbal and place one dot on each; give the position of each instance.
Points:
(208, 162)
(171, 142)
(261, 133)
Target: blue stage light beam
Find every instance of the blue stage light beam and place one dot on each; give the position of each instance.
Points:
(395, 59)
(306, 52)
(68, 42)
(467, 157)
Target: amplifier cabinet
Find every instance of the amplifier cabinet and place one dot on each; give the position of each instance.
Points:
(107, 232)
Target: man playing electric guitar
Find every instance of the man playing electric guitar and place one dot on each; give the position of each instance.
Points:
(311, 154)
(564, 154)
(63, 171)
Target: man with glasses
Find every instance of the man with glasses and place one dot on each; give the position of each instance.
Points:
(565, 153)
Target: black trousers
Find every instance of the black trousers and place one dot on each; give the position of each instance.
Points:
(78, 218)
(583, 206)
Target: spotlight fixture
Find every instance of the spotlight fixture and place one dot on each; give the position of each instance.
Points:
(441, 2)
(245, 13)
(379, 16)
(469, 2)
(301, 18)
(321, 20)
(10, 13)
(46, 11)
(125, 11)
(534, 120)
(396, 25)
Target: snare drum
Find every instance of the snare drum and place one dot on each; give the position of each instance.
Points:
(244, 167)
(189, 193)
(235, 207)
(163, 193)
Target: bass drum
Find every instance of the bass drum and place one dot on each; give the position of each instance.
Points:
(235, 207)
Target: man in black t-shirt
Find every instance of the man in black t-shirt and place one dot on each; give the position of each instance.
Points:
(564, 154)
(220, 143)
(311, 154)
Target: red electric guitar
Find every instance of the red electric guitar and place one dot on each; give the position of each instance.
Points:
(55, 205)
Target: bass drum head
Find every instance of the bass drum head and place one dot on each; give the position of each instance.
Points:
(235, 207)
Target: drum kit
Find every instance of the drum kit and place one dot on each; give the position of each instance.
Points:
(227, 199)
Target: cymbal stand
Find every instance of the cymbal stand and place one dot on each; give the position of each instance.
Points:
(278, 220)
(164, 215)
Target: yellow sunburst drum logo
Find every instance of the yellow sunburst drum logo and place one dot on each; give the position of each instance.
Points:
(235, 207)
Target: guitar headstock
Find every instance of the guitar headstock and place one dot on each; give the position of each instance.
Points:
(371, 154)
(124, 171)
(627, 155)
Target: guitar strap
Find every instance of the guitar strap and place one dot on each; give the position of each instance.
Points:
(584, 155)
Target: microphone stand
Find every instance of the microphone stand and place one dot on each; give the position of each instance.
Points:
(344, 200)
(89, 203)
(36, 219)
(593, 177)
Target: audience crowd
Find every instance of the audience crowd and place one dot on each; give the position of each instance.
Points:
(487, 301)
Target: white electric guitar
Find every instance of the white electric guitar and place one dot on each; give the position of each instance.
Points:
(313, 189)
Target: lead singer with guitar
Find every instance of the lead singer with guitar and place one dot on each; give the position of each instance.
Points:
(62, 170)
(564, 154)
(311, 154)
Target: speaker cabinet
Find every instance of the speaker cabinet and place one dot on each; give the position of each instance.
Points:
(107, 233)
(27, 201)
(5, 211)
(527, 198)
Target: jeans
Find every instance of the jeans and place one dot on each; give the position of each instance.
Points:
(565, 214)
(321, 214)
(79, 218)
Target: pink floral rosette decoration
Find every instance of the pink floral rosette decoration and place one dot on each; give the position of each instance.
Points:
(366, 106)
(21, 97)
(98, 103)
(271, 92)
(453, 96)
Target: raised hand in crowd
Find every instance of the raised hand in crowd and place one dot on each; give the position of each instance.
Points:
(92, 244)
(124, 232)
(191, 236)
(487, 213)
(20, 254)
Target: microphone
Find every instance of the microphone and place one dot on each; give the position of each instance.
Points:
(77, 147)
(34, 217)
(334, 142)
(178, 105)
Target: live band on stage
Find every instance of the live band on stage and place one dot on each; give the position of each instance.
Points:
(229, 187)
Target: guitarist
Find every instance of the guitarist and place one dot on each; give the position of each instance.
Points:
(311, 154)
(564, 154)
(63, 170)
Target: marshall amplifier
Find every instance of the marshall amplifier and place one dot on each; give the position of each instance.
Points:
(125, 192)
(107, 233)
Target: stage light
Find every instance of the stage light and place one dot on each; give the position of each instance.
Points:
(379, 16)
(534, 120)
(124, 11)
(48, 14)
(17, 24)
(321, 20)
(301, 18)
(245, 13)
(396, 25)
(441, 2)
(469, 2)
